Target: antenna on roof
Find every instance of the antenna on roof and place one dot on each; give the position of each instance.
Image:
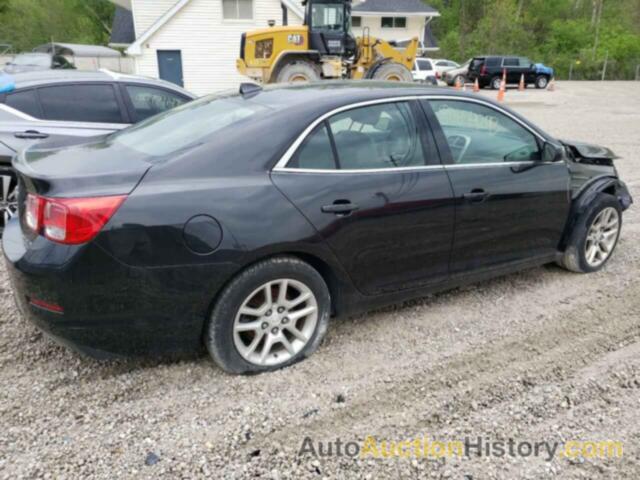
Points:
(249, 89)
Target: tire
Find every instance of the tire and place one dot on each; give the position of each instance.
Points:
(460, 78)
(576, 255)
(8, 196)
(299, 72)
(392, 72)
(495, 82)
(237, 342)
(542, 81)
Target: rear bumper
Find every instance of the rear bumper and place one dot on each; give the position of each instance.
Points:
(109, 309)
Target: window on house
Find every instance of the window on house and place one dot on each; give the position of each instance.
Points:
(394, 22)
(237, 9)
(356, 21)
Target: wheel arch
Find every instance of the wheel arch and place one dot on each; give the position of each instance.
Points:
(287, 56)
(587, 194)
(336, 279)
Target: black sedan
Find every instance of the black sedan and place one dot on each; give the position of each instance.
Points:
(245, 222)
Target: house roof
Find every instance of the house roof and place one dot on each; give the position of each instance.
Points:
(123, 31)
(394, 7)
(77, 50)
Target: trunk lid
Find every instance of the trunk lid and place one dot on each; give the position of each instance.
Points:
(66, 168)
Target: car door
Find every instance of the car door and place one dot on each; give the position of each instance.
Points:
(512, 66)
(65, 110)
(511, 205)
(370, 181)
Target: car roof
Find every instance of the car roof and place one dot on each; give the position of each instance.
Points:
(49, 77)
(319, 98)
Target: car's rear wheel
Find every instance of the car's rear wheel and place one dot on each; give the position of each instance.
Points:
(496, 82)
(595, 236)
(459, 80)
(270, 316)
(8, 196)
(542, 81)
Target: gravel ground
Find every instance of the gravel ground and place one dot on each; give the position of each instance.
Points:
(539, 355)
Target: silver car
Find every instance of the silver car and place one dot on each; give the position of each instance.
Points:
(51, 105)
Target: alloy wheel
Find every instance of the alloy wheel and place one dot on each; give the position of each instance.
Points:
(602, 237)
(275, 322)
(8, 198)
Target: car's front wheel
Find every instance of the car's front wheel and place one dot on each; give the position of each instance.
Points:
(542, 81)
(595, 236)
(272, 315)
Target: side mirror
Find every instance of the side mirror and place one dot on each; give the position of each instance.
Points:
(552, 153)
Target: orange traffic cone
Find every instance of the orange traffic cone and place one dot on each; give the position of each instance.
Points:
(521, 86)
(476, 86)
(503, 86)
(552, 85)
(457, 83)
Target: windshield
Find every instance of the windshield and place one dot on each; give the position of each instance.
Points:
(327, 16)
(32, 59)
(187, 125)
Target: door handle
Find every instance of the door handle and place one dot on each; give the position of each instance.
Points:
(477, 195)
(340, 207)
(31, 135)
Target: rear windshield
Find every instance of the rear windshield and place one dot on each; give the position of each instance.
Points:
(32, 60)
(188, 125)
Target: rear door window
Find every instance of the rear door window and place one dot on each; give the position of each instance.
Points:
(81, 103)
(377, 137)
(511, 62)
(25, 102)
(316, 153)
(493, 62)
(149, 101)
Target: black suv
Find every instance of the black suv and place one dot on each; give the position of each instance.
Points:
(489, 69)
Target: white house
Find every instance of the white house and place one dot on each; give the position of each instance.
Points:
(195, 43)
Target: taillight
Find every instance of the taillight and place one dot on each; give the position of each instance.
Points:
(438, 75)
(483, 70)
(33, 212)
(70, 220)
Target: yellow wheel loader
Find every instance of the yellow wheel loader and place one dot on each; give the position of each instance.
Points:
(322, 48)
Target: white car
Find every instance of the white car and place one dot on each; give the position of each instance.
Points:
(423, 71)
(441, 65)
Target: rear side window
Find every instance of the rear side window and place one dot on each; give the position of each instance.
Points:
(81, 103)
(149, 101)
(316, 152)
(25, 102)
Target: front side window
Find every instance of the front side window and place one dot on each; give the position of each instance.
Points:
(80, 103)
(149, 101)
(25, 102)
(327, 16)
(237, 9)
(525, 62)
(479, 134)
